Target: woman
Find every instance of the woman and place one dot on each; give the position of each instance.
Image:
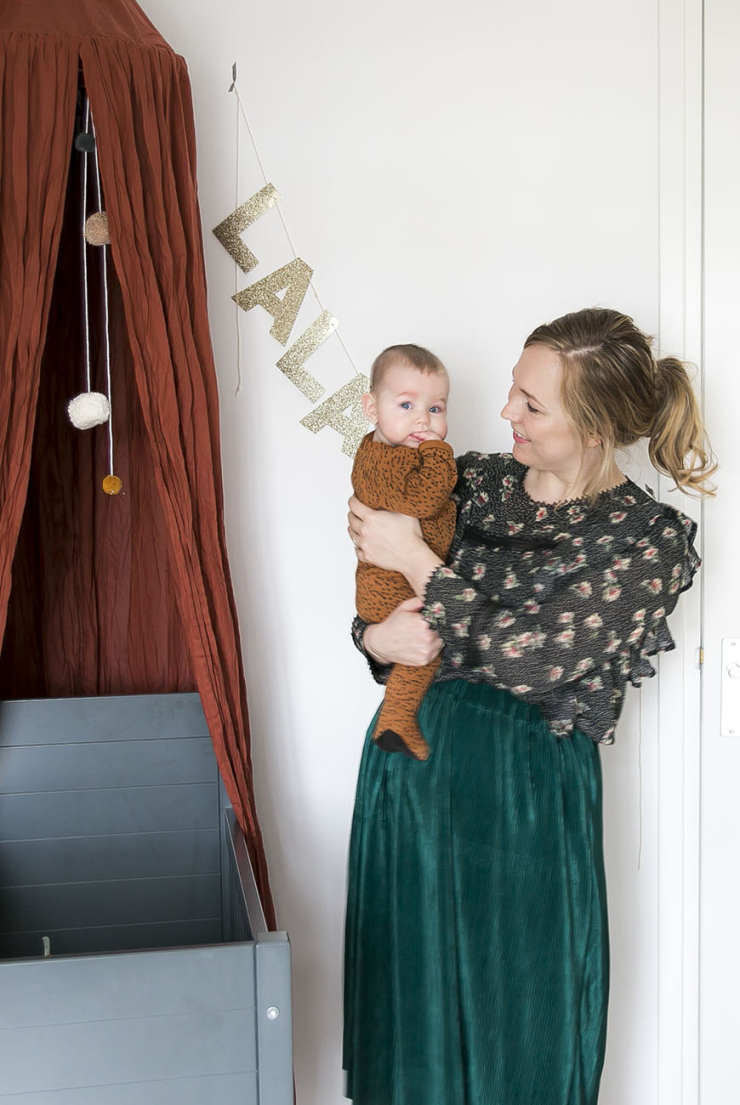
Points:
(476, 960)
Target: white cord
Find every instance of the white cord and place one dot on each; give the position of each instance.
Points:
(104, 270)
(235, 90)
(236, 270)
(86, 306)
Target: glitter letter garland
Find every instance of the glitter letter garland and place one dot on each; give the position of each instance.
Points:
(343, 412)
(292, 362)
(295, 278)
(228, 232)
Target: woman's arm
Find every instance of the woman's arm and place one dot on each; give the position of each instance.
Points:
(403, 638)
(379, 672)
(612, 607)
(392, 541)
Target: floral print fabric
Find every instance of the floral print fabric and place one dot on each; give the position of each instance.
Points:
(559, 604)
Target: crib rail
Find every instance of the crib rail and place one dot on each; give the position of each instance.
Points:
(243, 916)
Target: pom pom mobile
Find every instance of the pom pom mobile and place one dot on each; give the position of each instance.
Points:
(93, 408)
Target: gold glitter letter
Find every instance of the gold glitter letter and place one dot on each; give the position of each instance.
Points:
(343, 412)
(292, 362)
(295, 278)
(229, 230)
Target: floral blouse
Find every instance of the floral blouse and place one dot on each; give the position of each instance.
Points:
(559, 604)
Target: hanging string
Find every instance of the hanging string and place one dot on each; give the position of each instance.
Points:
(85, 297)
(236, 270)
(265, 178)
(89, 408)
(104, 272)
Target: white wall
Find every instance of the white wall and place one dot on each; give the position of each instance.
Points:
(454, 177)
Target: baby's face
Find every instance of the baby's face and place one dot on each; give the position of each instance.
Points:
(409, 406)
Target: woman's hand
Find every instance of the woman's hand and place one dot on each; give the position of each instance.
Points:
(391, 541)
(381, 537)
(403, 638)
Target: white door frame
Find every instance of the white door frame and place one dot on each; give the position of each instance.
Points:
(681, 333)
(719, 1062)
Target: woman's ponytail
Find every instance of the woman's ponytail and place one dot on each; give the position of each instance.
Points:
(678, 445)
(614, 390)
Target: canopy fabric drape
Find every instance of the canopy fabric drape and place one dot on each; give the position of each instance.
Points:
(133, 593)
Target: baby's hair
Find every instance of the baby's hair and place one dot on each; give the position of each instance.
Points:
(414, 355)
(615, 390)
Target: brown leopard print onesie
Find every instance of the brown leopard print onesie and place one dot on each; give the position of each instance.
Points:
(417, 482)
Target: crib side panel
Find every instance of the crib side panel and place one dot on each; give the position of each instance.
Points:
(109, 825)
(129, 1029)
(239, 1089)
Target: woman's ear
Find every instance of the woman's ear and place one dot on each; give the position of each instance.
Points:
(593, 441)
(370, 407)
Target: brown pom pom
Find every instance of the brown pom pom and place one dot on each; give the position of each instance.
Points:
(112, 485)
(96, 230)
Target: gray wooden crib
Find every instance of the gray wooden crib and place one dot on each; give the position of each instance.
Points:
(135, 968)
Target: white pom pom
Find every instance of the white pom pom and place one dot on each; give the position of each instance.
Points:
(91, 408)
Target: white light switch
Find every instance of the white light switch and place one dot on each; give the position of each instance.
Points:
(730, 703)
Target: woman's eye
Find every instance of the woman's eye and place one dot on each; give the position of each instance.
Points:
(531, 409)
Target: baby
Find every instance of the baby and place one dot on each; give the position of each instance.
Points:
(405, 465)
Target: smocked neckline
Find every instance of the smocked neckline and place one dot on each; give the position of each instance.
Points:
(583, 500)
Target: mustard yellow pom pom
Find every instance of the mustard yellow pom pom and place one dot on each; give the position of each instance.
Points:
(112, 485)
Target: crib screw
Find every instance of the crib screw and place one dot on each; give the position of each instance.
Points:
(273, 1013)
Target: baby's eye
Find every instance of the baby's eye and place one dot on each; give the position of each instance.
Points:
(532, 409)
(406, 405)
(435, 410)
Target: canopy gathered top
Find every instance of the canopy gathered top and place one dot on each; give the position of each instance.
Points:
(130, 594)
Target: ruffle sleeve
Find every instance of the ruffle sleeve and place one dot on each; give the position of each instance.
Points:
(589, 619)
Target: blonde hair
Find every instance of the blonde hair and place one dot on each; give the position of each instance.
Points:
(613, 389)
(414, 355)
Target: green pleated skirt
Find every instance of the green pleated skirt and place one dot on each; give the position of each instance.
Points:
(476, 947)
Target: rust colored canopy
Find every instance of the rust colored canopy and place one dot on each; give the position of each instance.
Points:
(128, 594)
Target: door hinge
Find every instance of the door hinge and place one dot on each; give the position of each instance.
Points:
(698, 657)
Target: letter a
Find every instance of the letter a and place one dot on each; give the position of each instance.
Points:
(295, 278)
(343, 412)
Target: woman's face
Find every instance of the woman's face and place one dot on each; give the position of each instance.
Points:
(543, 436)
